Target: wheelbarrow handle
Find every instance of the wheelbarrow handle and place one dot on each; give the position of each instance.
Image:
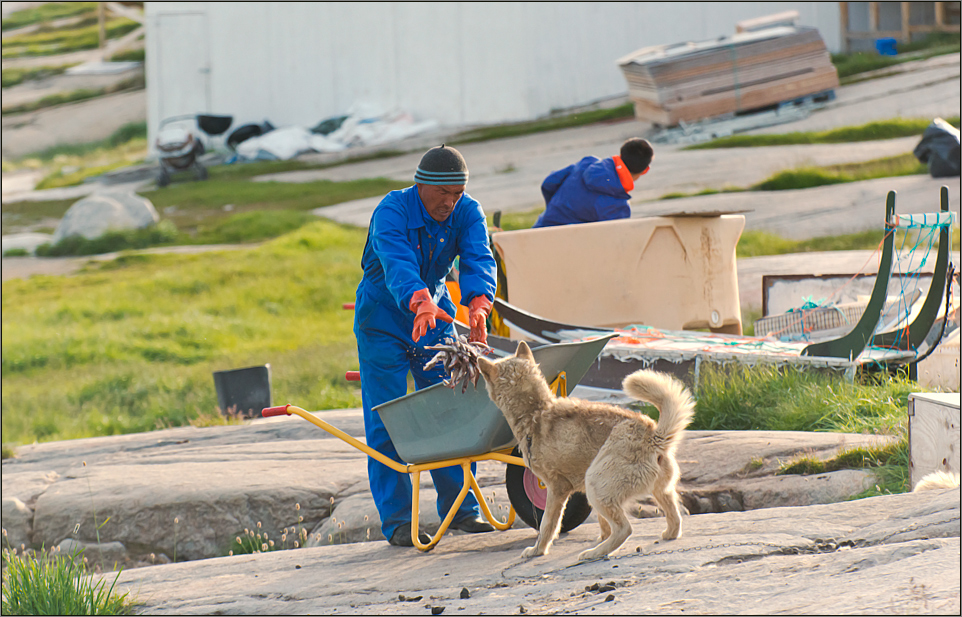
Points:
(280, 410)
(352, 375)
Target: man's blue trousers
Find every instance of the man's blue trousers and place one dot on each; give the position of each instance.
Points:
(385, 360)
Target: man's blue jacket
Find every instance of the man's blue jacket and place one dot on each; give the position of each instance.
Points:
(588, 191)
(407, 250)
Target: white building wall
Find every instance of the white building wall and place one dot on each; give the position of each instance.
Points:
(460, 63)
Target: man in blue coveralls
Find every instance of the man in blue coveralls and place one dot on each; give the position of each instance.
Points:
(403, 306)
(595, 189)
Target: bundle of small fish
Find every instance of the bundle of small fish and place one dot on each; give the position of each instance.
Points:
(459, 359)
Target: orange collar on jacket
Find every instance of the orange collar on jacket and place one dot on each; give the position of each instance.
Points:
(623, 174)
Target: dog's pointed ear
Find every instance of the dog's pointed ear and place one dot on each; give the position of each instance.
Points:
(488, 369)
(524, 351)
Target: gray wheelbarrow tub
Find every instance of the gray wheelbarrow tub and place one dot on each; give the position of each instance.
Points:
(440, 423)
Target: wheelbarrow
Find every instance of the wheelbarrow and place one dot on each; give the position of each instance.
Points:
(442, 427)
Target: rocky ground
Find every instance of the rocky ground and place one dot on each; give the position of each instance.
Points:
(895, 554)
(754, 542)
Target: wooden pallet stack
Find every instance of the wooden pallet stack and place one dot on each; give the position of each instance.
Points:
(691, 81)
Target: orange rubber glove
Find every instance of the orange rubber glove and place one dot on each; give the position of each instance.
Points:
(478, 310)
(426, 313)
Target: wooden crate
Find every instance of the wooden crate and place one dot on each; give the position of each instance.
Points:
(669, 84)
(933, 434)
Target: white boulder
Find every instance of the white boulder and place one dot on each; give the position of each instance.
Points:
(96, 214)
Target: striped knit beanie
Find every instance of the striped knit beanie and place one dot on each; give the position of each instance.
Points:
(442, 166)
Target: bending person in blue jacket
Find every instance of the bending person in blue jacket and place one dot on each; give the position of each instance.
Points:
(403, 306)
(595, 189)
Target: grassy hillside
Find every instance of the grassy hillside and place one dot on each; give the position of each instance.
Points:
(131, 346)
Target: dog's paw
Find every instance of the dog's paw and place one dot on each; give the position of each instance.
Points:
(671, 535)
(531, 551)
(592, 554)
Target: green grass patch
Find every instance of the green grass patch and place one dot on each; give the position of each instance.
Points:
(61, 177)
(755, 243)
(808, 177)
(551, 123)
(511, 221)
(258, 540)
(65, 40)
(749, 317)
(48, 11)
(164, 233)
(73, 96)
(852, 64)
(253, 226)
(854, 458)
(890, 462)
(59, 98)
(708, 191)
(196, 207)
(14, 76)
(129, 55)
(871, 131)
(251, 169)
(27, 213)
(130, 345)
(58, 584)
(790, 399)
(801, 179)
(72, 164)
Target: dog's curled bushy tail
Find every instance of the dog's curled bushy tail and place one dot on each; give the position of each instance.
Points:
(670, 396)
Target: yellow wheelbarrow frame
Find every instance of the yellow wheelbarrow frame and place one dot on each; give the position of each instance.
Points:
(559, 386)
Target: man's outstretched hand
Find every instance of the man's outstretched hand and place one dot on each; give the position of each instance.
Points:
(426, 314)
(478, 310)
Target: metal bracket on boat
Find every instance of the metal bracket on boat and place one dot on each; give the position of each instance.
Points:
(852, 344)
(922, 324)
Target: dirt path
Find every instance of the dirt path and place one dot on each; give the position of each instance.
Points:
(82, 122)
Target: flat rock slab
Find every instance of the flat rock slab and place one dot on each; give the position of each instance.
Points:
(189, 493)
(896, 553)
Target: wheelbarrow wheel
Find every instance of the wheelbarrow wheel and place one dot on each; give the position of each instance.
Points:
(163, 177)
(527, 496)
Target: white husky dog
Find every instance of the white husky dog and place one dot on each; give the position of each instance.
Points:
(610, 453)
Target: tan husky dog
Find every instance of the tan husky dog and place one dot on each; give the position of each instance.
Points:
(610, 453)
